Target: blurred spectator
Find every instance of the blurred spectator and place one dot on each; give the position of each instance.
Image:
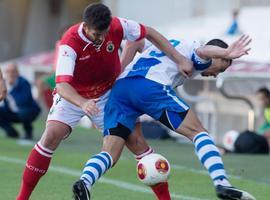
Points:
(19, 105)
(3, 89)
(234, 27)
(251, 143)
(246, 142)
(263, 95)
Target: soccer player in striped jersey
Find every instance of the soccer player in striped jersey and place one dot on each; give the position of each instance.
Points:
(146, 87)
(87, 66)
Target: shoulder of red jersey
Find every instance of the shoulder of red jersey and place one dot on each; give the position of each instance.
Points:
(72, 38)
(130, 29)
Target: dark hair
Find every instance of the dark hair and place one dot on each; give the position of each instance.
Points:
(264, 91)
(97, 16)
(220, 43)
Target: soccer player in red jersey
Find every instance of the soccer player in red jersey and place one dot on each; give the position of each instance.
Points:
(87, 67)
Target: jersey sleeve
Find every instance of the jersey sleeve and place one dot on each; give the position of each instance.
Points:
(198, 62)
(65, 64)
(132, 30)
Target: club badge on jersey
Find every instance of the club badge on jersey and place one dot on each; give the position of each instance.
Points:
(110, 47)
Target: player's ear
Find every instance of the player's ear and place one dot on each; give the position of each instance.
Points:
(85, 27)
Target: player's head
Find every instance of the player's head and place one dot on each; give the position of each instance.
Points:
(97, 19)
(263, 95)
(218, 65)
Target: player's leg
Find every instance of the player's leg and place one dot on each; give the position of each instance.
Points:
(115, 135)
(173, 112)
(39, 158)
(57, 128)
(137, 144)
(97, 165)
(207, 152)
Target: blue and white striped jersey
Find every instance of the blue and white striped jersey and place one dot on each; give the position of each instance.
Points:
(156, 66)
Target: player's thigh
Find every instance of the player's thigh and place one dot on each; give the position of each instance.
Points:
(136, 142)
(54, 133)
(62, 118)
(165, 106)
(190, 126)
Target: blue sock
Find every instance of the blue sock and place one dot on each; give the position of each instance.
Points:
(209, 156)
(95, 167)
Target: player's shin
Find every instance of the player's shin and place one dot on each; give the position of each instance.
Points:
(36, 166)
(95, 167)
(209, 156)
(161, 190)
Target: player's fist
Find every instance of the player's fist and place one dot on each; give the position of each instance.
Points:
(90, 107)
(186, 67)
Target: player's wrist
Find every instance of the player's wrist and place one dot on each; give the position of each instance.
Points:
(82, 101)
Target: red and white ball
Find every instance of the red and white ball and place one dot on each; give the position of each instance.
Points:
(153, 169)
(229, 139)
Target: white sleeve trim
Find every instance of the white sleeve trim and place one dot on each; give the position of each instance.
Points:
(131, 29)
(65, 60)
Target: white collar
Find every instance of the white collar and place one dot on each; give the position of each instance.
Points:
(81, 34)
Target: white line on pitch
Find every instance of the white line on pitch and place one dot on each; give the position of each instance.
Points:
(117, 183)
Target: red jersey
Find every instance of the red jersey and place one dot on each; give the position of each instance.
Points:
(90, 69)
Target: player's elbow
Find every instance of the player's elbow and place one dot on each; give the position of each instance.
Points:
(136, 46)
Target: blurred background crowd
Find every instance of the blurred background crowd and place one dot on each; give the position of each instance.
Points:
(238, 100)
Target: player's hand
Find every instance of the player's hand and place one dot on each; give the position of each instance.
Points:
(239, 47)
(90, 107)
(186, 67)
(3, 90)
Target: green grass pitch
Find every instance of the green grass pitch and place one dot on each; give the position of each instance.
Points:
(188, 180)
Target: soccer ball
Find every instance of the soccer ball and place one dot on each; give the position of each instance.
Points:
(153, 169)
(229, 139)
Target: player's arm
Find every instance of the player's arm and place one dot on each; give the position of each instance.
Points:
(129, 51)
(66, 91)
(64, 75)
(235, 50)
(135, 32)
(3, 89)
(185, 65)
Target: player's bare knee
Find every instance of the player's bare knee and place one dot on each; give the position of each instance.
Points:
(190, 130)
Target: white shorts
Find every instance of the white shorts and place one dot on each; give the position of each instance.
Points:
(70, 114)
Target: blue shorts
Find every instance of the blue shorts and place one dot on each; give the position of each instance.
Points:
(133, 96)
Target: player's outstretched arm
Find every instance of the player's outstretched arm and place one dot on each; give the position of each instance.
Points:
(185, 65)
(237, 49)
(129, 51)
(3, 89)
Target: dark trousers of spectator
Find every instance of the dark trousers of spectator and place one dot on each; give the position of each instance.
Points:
(24, 116)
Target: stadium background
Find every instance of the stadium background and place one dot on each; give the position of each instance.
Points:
(28, 32)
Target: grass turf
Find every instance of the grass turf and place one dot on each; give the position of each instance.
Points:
(188, 179)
